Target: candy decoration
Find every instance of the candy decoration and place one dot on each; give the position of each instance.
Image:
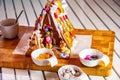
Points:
(63, 10)
(59, 4)
(67, 51)
(48, 3)
(69, 39)
(61, 19)
(48, 32)
(64, 31)
(63, 48)
(55, 15)
(49, 26)
(91, 57)
(71, 34)
(66, 16)
(46, 29)
(57, 20)
(52, 1)
(58, 11)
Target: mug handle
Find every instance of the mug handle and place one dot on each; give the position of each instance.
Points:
(0, 32)
(105, 59)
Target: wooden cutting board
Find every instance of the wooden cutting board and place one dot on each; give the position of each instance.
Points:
(101, 40)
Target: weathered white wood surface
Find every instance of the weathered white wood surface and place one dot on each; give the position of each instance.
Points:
(84, 14)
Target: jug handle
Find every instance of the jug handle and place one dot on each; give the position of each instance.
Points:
(105, 59)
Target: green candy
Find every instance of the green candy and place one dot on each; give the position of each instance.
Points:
(93, 59)
(63, 10)
(48, 32)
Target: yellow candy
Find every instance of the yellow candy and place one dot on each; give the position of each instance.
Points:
(69, 39)
(67, 51)
(57, 20)
(63, 48)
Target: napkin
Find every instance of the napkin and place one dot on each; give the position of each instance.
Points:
(81, 42)
(23, 44)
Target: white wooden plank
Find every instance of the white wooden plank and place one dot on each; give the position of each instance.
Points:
(9, 9)
(109, 11)
(2, 12)
(91, 15)
(113, 76)
(104, 17)
(22, 20)
(51, 75)
(116, 63)
(8, 74)
(117, 2)
(22, 74)
(0, 73)
(0, 76)
(0, 3)
(117, 46)
(36, 75)
(112, 4)
(37, 7)
(96, 77)
(30, 12)
(81, 16)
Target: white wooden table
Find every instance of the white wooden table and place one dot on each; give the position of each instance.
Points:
(84, 14)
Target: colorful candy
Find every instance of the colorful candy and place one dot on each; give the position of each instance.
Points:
(91, 57)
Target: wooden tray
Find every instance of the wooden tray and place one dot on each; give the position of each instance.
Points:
(101, 40)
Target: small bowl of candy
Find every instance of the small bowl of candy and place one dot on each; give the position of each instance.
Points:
(43, 57)
(71, 72)
(92, 57)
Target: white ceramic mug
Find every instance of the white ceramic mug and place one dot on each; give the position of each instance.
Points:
(9, 28)
(92, 63)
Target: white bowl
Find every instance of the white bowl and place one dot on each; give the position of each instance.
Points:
(92, 63)
(65, 75)
(39, 51)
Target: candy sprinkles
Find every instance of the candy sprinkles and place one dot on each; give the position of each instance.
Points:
(91, 57)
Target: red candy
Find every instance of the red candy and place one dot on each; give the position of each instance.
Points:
(61, 19)
(55, 15)
(66, 17)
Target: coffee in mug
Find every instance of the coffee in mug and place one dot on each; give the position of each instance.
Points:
(9, 28)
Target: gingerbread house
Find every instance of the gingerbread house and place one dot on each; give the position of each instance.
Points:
(53, 28)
